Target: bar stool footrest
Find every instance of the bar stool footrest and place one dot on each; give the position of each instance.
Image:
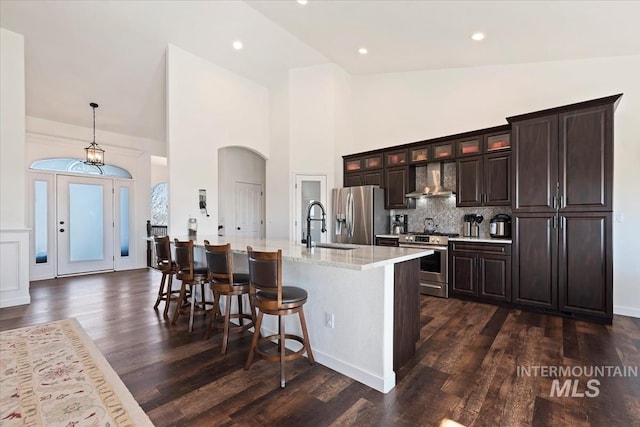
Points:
(272, 353)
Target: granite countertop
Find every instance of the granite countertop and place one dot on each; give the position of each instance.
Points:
(361, 257)
(481, 239)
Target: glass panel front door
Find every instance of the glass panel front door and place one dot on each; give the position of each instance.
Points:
(84, 224)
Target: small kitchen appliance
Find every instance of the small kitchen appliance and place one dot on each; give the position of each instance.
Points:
(399, 224)
(471, 225)
(500, 226)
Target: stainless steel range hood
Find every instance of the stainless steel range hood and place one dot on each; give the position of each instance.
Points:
(434, 186)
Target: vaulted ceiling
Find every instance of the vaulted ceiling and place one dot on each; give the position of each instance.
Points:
(113, 52)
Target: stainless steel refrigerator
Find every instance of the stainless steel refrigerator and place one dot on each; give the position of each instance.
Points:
(359, 214)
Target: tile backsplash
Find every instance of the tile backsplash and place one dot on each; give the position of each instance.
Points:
(443, 210)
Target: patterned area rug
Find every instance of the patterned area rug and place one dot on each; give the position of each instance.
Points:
(54, 375)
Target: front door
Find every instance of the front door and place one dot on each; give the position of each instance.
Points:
(84, 223)
(248, 210)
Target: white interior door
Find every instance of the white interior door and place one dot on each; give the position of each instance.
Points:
(84, 223)
(310, 188)
(248, 210)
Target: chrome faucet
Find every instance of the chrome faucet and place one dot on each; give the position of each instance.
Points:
(309, 219)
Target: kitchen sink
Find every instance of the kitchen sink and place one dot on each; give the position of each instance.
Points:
(342, 246)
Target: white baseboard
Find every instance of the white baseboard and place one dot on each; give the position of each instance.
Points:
(15, 300)
(626, 311)
(383, 385)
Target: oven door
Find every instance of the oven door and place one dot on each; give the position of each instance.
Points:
(433, 270)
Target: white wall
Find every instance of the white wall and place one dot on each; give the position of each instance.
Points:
(12, 117)
(320, 123)
(14, 235)
(208, 107)
(278, 176)
(235, 164)
(159, 172)
(397, 108)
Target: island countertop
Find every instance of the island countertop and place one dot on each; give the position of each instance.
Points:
(361, 257)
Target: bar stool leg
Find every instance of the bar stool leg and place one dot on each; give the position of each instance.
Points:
(254, 342)
(214, 313)
(305, 336)
(240, 319)
(183, 296)
(227, 320)
(282, 350)
(169, 294)
(160, 291)
(193, 306)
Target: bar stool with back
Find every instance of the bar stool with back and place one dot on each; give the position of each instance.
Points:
(191, 275)
(165, 264)
(270, 297)
(225, 283)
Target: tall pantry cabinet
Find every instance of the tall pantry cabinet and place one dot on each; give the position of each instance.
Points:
(562, 208)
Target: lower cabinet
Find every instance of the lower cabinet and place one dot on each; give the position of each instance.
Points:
(481, 270)
(563, 262)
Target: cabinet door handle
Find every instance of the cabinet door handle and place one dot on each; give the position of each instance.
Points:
(555, 203)
(555, 220)
(561, 202)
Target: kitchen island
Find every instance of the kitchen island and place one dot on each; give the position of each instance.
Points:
(362, 312)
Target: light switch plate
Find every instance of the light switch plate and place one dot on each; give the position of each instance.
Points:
(618, 217)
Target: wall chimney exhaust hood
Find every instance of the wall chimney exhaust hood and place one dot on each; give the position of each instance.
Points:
(434, 186)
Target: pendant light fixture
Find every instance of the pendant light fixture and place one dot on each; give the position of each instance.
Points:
(95, 154)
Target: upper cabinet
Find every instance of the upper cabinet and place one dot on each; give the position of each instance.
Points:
(484, 179)
(443, 150)
(363, 170)
(564, 161)
(396, 158)
(420, 154)
(469, 146)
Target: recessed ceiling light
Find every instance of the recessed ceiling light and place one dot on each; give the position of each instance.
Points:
(363, 51)
(477, 36)
(237, 45)
(302, 2)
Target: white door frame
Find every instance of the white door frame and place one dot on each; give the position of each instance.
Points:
(299, 223)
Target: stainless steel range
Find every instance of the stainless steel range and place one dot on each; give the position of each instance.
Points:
(434, 269)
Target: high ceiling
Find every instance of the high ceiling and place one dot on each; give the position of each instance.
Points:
(113, 52)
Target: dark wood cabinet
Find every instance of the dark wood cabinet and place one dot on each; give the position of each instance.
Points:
(585, 267)
(585, 158)
(564, 262)
(562, 202)
(564, 161)
(484, 180)
(373, 178)
(535, 248)
(469, 182)
(398, 182)
(480, 270)
(363, 170)
(353, 179)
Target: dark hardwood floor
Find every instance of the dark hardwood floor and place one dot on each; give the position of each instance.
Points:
(465, 368)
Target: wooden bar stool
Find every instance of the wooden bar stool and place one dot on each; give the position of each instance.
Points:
(225, 283)
(191, 275)
(270, 297)
(165, 264)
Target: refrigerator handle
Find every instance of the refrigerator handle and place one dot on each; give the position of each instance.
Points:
(351, 215)
(347, 214)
